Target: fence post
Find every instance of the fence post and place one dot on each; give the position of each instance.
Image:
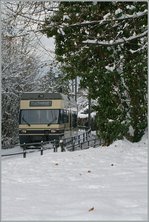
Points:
(72, 139)
(73, 147)
(54, 146)
(83, 137)
(61, 145)
(41, 149)
(78, 139)
(24, 152)
(86, 135)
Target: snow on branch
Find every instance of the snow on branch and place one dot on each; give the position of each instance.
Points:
(118, 42)
(105, 21)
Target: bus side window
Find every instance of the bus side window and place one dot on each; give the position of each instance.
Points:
(66, 116)
(74, 119)
(61, 116)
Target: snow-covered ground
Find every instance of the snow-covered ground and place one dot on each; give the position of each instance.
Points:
(104, 183)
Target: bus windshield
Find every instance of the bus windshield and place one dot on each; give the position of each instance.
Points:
(32, 116)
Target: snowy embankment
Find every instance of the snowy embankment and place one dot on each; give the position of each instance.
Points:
(104, 183)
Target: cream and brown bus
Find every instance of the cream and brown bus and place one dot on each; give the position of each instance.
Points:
(46, 116)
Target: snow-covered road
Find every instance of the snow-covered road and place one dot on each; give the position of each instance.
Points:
(105, 183)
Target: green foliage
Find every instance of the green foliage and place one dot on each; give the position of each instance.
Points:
(116, 74)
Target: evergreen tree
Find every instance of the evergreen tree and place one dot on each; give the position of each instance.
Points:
(105, 44)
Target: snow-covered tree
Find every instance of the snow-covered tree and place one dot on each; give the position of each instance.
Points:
(105, 43)
(53, 81)
(21, 61)
(19, 68)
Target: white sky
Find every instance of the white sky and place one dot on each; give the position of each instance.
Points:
(46, 48)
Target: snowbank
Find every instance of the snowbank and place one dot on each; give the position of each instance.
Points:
(104, 183)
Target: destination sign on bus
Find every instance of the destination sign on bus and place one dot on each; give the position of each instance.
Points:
(40, 103)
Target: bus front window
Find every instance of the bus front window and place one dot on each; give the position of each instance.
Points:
(32, 116)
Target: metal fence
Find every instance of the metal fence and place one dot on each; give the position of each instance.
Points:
(77, 142)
